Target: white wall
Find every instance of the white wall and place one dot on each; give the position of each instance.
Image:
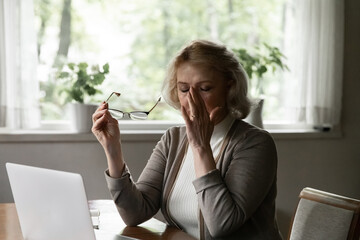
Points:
(330, 164)
(84, 157)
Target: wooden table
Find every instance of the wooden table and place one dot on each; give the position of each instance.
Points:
(110, 222)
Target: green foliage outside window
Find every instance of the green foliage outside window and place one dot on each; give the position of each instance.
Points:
(138, 38)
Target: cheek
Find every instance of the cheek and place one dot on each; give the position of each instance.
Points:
(214, 101)
(183, 100)
(210, 101)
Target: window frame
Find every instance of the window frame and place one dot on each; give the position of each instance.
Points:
(162, 125)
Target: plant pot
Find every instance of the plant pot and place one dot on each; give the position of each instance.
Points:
(81, 116)
(255, 115)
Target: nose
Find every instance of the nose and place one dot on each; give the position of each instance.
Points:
(197, 92)
(194, 91)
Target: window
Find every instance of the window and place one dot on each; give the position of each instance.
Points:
(138, 38)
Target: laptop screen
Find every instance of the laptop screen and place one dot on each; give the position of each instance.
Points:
(50, 204)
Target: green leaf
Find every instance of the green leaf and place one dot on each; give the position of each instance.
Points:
(82, 77)
(106, 68)
(90, 90)
(77, 95)
(71, 66)
(63, 75)
(262, 70)
(98, 79)
(83, 66)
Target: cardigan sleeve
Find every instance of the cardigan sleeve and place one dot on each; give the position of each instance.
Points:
(227, 201)
(138, 202)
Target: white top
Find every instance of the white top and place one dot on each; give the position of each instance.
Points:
(183, 204)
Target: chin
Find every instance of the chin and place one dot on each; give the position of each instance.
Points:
(220, 118)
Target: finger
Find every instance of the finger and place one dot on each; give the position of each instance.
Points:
(110, 118)
(193, 108)
(197, 98)
(104, 120)
(185, 116)
(100, 123)
(199, 103)
(98, 114)
(102, 106)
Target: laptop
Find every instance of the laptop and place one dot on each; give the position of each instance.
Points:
(52, 204)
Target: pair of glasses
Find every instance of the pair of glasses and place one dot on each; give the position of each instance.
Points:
(135, 115)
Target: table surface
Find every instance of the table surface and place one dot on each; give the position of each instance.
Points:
(110, 222)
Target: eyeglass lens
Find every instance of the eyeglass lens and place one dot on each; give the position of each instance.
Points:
(135, 115)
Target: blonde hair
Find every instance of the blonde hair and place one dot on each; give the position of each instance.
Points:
(215, 56)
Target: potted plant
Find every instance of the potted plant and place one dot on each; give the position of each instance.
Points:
(78, 84)
(256, 64)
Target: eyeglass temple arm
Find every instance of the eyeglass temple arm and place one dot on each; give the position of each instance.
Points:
(154, 105)
(116, 93)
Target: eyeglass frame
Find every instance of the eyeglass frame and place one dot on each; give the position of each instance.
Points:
(130, 114)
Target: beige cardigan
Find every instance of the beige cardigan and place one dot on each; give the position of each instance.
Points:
(236, 201)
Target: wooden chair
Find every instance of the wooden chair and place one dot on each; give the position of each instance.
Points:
(322, 215)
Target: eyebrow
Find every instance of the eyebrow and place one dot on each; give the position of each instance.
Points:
(201, 82)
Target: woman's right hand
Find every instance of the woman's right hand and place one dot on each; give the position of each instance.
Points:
(105, 127)
(106, 130)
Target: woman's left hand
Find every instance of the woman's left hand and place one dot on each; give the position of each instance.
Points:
(199, 123)
(199, 128)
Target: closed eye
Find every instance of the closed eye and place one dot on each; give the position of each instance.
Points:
(205, 89)
(184, 90)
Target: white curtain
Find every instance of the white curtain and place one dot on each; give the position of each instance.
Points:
(19, 89)
(314, 47)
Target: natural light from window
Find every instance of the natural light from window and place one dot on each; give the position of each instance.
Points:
(138, 38)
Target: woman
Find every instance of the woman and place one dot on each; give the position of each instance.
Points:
(215, 178)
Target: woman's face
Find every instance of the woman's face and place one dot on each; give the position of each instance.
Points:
(208, 83)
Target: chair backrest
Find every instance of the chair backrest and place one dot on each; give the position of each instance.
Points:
(322, 215)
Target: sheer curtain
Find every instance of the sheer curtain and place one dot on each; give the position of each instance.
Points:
(19, 89)
(314, 46)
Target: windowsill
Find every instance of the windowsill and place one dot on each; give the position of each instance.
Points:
(67, 136)
(152, 132)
